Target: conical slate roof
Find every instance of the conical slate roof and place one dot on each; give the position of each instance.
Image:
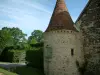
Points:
(60, 18)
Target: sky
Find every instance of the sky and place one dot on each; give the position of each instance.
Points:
(30, 15)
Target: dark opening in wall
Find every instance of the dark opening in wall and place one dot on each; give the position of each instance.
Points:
(47, 45)
(98, 4)
(72, 51)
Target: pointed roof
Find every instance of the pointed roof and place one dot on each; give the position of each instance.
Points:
(60, 18)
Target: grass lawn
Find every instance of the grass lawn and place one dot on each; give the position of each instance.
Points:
(5, 72)
(23, 70)
(28, 71)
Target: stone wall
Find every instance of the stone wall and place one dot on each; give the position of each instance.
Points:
(62, 49)
(89, 24)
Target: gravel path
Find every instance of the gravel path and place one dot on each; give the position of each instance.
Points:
(11, 65)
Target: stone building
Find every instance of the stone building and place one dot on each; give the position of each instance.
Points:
(68, 46)
(89, 25)
(63, 44)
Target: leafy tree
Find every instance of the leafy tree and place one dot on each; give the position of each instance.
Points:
(32, 40)
(11, 37)
(17, 35)
(5, 39)
(37, 35)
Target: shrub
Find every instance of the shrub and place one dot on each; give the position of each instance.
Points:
(3, 56)
(24, 70)
(34, 58)
(14, 56)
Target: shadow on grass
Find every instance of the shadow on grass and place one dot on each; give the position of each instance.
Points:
(24, 70)
(27, 71)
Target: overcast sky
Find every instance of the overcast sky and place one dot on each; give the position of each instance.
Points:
(30, 15)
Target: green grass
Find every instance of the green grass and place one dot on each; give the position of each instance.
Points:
(5, 72)
(21, 71)
(28, 71)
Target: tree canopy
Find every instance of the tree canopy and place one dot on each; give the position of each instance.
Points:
(36, 36)
(11, 37)
(16, 39)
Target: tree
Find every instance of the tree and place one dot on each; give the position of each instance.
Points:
(37, 35)
(11, 37)
(35, 38)
(32, 40)
(5, 39)
(17, 35)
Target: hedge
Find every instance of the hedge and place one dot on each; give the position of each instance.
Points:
(13, 56)
(34, 58)
(16, 55)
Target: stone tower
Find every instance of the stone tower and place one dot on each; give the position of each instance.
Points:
(63, 44)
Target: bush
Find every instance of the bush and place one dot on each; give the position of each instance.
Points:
(3, 56)
(13, 56)
(34, 58)
(16, 55)
(9, 56)
(24, 70)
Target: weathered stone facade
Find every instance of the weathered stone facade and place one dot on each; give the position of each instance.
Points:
(63, 44)
(89, 24)
(62, 49)
(73, 49)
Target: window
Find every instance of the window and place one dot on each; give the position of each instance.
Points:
(72, 52)
(48, 53)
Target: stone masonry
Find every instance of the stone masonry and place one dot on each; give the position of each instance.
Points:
(63, 44)
(89, 25)
(73, 49)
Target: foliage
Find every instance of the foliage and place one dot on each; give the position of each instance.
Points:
(34, 58)
(28, 71)
(5, 72)
(14, 45)
(4, 55)
(32, 40)
(37, 45)
(16, 55)
(5, 38)
(16, 34)
(11, 37)
(13, 56)
(36, 36)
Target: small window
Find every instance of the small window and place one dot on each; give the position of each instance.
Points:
(72, 52)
